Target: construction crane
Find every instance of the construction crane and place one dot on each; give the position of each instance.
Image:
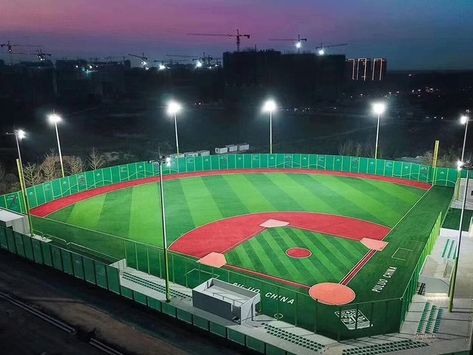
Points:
(143, 60)
(206, 61)
(236, 35)
(297, 41)
(321, 50)
(9, 45)
(41, 55)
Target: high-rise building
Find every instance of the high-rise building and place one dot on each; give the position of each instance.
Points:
(366, 69)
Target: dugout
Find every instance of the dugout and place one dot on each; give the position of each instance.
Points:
(226, 300)
(16, 221)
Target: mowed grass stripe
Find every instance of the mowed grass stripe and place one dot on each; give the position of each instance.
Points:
(249, 194)
(115, 216)
(180, 212)
(282, 237)
(267, 248)
(348, 247)
(317, 267)
(324, 260)
(226, 199)
(87, 213)
(383, 210)
(202, 206)
(274, 193)
(258, 259)
(145, 214)
(297, 191)
(349, 205)
(309, 185)
(394, 195)
(62, 215)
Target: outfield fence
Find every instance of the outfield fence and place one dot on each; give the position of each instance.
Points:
(47, 192)
(86, 253)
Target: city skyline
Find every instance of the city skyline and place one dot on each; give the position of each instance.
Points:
(415, 34)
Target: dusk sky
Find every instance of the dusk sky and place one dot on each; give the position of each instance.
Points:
(411, 34)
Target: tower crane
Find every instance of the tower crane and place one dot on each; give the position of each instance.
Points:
(143, 60)
(321, 50)
(9, 46)
(237, 35)
(41, 55)
(297, 41)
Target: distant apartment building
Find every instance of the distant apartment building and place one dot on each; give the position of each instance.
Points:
(366, 69)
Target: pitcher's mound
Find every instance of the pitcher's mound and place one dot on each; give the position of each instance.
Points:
(299, 253)
(332, 294)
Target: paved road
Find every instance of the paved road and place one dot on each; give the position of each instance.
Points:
(118, 322)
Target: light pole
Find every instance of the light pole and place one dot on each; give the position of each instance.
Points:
(55, 119)
(19, 136)
(467, 167)
(464, 119)
(173, 109)
(378, 110)
(164, 161)
(269, 107)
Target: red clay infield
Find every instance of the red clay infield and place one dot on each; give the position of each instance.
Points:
(299, 253)
(332, 294)
(227, 234)
(47, 209)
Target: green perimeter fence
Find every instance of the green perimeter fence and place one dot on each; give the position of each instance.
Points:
(44, 193)
(289, 304)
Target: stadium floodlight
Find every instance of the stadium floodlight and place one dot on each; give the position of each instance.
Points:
(378, 109)
(173, 109)
(321, 51)
(464, 119)
(298, 44)
(269, 107)
(19, 136)
(467, 167)
(54, 119)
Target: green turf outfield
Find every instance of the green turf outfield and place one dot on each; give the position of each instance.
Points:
(134, 213)
(331, 260)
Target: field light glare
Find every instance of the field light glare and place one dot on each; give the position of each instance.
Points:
(174, 108)
(464, 119)
(269, 106)
(460, 164)
(20, 134)
(298, 44)
(54, 118)
(321, 51)
(379, 108)
(161, 67)
(198, 64)
(168, 161)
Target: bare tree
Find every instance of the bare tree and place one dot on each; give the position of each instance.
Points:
(74, 164)
(50, 167)
(95, 159)
(32, 174)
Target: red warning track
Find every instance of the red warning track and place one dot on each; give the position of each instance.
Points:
(52, 207)
(227, 234)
